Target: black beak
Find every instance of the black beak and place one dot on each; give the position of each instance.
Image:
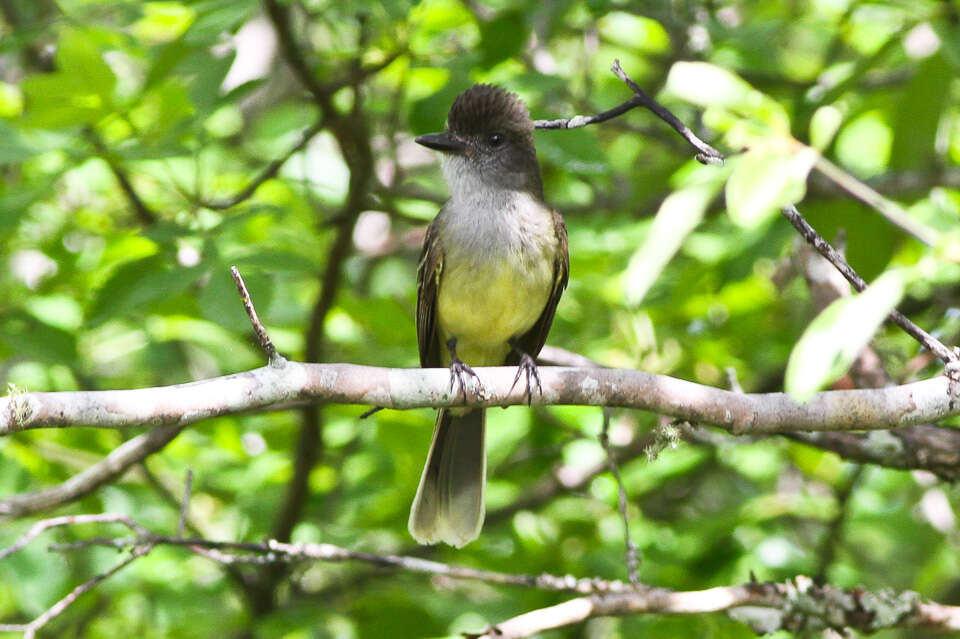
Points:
(442, 142)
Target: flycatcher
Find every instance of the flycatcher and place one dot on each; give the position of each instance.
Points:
(493, 266)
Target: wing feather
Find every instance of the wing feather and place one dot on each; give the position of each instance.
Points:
(428, 281)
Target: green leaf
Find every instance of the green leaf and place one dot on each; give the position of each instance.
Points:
(837, 335)
(137, 285)
(708, 85)
(272, 261)
(502, 37)
(15, 148)
(79, 57)
(919, 108)
(762, 181)
(33, 339)
(824, 125)
(679, 214)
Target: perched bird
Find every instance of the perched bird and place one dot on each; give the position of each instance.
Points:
(493, 266)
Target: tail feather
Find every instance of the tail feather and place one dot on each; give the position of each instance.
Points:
(449, 505)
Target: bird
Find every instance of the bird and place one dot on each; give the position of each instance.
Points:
(492, 269)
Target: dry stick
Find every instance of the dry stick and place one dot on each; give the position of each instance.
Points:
(633, 553)
(706, 154)
(275, 358)
(826, 250)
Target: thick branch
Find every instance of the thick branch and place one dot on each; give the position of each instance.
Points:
(275, 387)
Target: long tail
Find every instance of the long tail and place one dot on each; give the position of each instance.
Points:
(449, 503)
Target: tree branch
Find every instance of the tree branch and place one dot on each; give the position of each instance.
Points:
(825, 249)
(258, 329)
(103, 472)
(793, 605)
(706, 154)
(279, 387)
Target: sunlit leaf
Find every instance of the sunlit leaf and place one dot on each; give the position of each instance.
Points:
(679, 214)
(762, 181)
(838, 334)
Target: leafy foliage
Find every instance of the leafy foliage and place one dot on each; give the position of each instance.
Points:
(114, 147)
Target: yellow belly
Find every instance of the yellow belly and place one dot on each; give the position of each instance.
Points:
(483, 306)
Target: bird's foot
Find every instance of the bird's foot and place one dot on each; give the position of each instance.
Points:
(459, 371)
(528, 367)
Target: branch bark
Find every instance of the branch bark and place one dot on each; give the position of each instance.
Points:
(291, 383)
(794, 605)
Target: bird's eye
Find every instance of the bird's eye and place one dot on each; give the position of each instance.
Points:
(495, 140)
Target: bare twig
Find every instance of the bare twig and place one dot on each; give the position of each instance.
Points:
(632, 552)
(795, 605)
(275, 358)
(706, 154)
(824, 248)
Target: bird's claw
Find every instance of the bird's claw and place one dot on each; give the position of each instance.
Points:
(529, 368)
(457, 371)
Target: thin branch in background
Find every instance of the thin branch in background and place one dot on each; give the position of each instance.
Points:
(792, 605)
(890, 210)
(833, 535)
(353, 136)
(706, 154)
(114, 465)
(275, 358)
(269, 172)
(30, 629)
(825, 249)
(632, 552)
(185, 503)
(70, 520)
(144, 213)
(570, 481)
(279, 16)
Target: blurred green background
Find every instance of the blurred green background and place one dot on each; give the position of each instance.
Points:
(124, 125)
